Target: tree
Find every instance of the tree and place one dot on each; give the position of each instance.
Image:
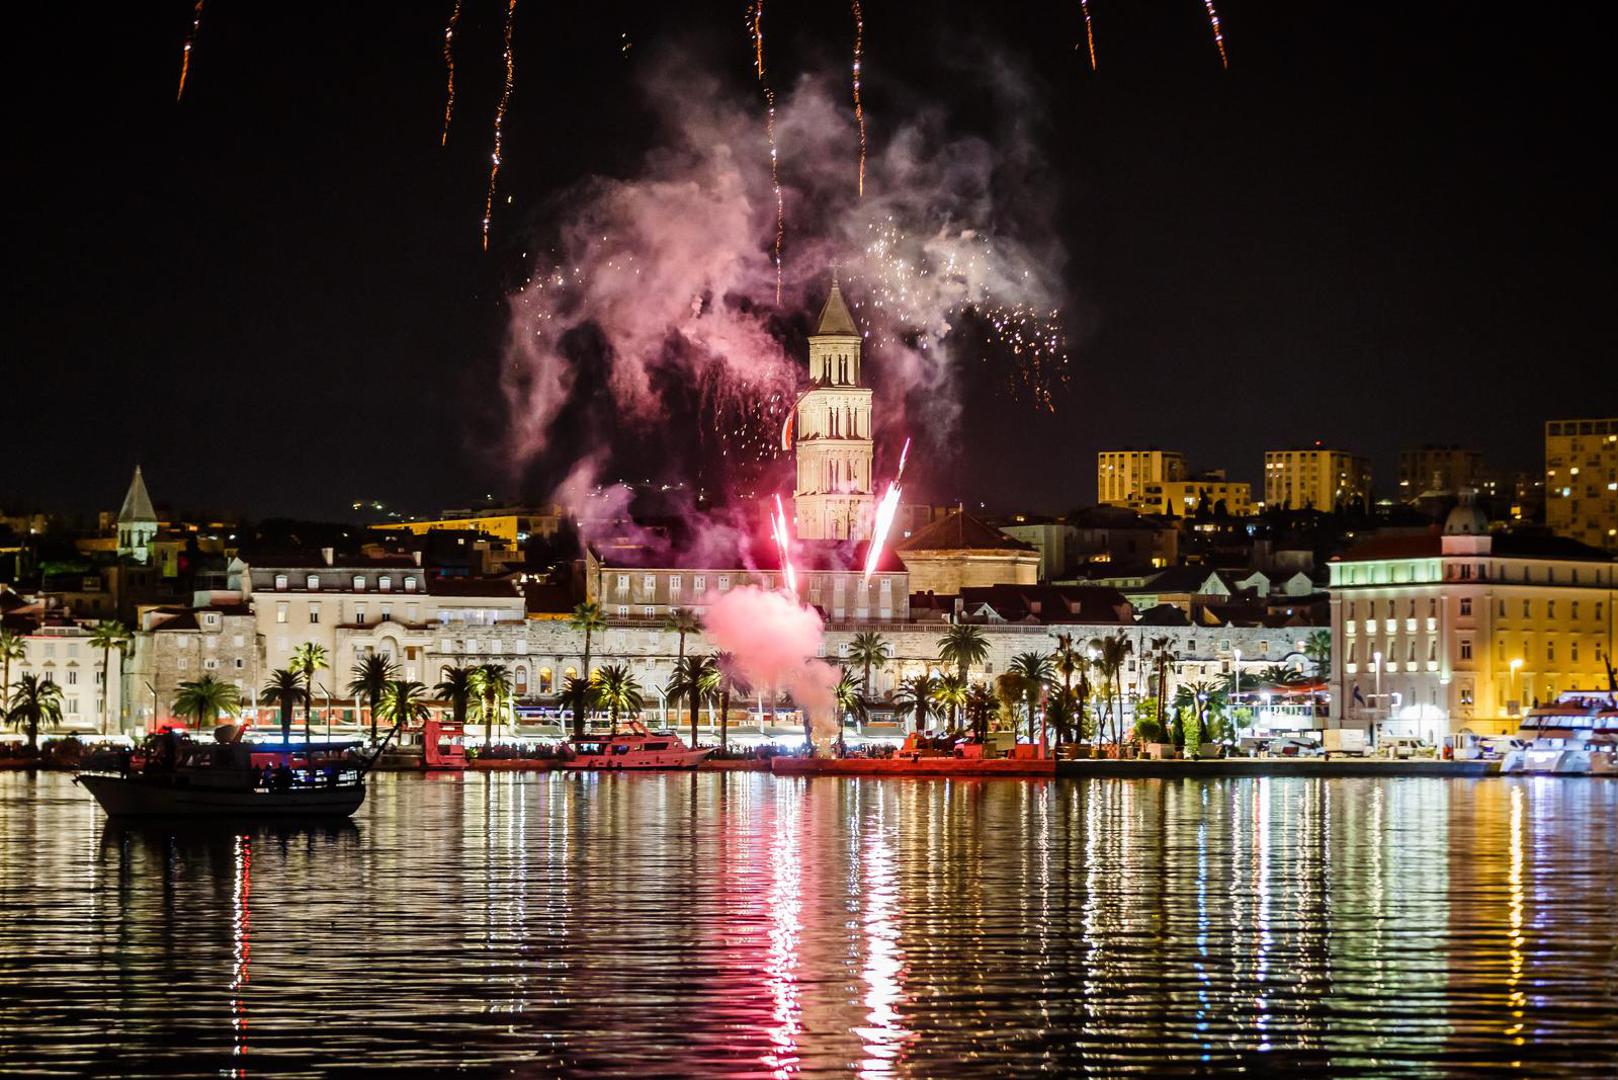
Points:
(850, 702)
(619, 691)
(371, 677)
(681, 621)
(33, 702)
(1009, 690)
(587, 618)
(964, 646)
(695, 678)
(979, 709)
(404, 703)
(1202, 699)
(1281, 675)
(1317, 647)
(915, 695)
(868, 650)
(1111, 653)
(1038, 674)
(12, 648)
(730, 681)
(950, 696)
(108, 634)
(585, 696)
(284, 690)
(1162, 657)
(307, 659)
(459, 687)
(203, 701)
(1069, 660)
(493, 682)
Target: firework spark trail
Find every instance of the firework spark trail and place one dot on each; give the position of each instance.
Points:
(499, 123)
(755, 27)
(190, 42)
(859, 109)
(449, 69)
(885, 511)
(783, 540)
(1218, 33)
(1089, 32)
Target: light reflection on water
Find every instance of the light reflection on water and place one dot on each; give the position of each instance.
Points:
(736, 923)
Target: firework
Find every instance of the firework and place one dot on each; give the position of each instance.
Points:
(885, 511)
(755, 29)
(859, 110)
(499, 123)
(1089, 32)
(1218, 33)
(449, 69)
(783, 540)
(190, 43)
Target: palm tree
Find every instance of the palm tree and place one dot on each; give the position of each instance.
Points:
(1281, 675)
(1069, 661)
(35, 701)
(494, 690)
(695, 678)
(1317, 647)
(1111, 652)
(585, 695)
(459, 687)
(850, 702)
(1038, 673)
(619, 691)
(205, 700)
(1201, 698)
(108, 634)
(1009, 690)
(681, 621)
(586, 618)
(284, 690)
(371, 677)
(1162, 657)
(916, 695)
(307, 659)
(950, 696)
(979, 708)
(868, 650)
(964, 646)
(730, 681)
(11, 648)
(403, 703)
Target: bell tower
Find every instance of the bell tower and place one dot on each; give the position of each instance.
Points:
(833, 496)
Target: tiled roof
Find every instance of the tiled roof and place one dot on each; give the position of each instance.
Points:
(960, 531)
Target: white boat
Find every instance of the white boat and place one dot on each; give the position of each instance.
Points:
(633, 747)
(1576, 735)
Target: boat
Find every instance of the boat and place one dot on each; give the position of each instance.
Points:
(632, 747)
(175, 776)
(1576, 735)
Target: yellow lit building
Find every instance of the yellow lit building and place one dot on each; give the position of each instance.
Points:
(1316, 479)
(1434, 633)
(512, 526)
(1123, 475)
(1182, 497)
(1581, 480)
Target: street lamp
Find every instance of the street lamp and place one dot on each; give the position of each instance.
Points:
(1512, 702)
(1376, 694)
(1235, 686)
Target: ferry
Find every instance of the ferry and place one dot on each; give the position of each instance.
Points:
(632, 747)
(173, 775)
(1576, 735)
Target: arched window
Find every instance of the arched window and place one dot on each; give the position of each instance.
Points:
(545, 680)
(520, 680)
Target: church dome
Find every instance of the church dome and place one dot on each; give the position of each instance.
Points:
(1466, 519)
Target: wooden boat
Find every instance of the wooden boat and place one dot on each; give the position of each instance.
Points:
(633, 748)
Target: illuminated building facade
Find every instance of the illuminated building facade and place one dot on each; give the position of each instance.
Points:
(1122, 476)
(1436, 632)
(1184, 498)
(1438, 470)
(1581, 480)
(1316, 479)
(832, 434)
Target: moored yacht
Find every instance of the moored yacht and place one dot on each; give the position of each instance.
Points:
(633, 747)
(1576, 735)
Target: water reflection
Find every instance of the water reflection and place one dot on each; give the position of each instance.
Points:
(736, 924)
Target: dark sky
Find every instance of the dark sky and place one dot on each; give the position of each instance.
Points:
(1384, 225)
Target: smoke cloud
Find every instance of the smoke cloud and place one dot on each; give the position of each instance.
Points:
(658, 299)
(774, 640)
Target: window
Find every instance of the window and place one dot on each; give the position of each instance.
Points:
(385, 583)
(359, 614)
(623, 584)
(649, 611)
(648, 584)
(1575, 609)
(1527, 609)
(1502, 609)
(314, 613)
(410, 583)
(1573, 651)
(674, 587)
(1550, 651)
(281, 581)
(240, 663)
(1550, 609)
(72, 677)
(520, 681)
(1466, 605)
(359, 582)
(210, 620)
(1432, 652)
(180, 664)
(1351, 609)
(699, 584)
(544, 680)
(1466, 650)
(1466, 695)
(281, 612)
(623, 611)
(312, 582)
(724, 582)
(212, 664)
(387, 612)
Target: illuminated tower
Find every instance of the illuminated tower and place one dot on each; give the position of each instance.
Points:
(833, 426)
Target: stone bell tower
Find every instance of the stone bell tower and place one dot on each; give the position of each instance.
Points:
(833, 497)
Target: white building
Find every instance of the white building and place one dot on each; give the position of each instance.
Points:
(91, 701)
(832, 425)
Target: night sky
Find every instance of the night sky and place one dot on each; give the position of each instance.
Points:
(1384, 225)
